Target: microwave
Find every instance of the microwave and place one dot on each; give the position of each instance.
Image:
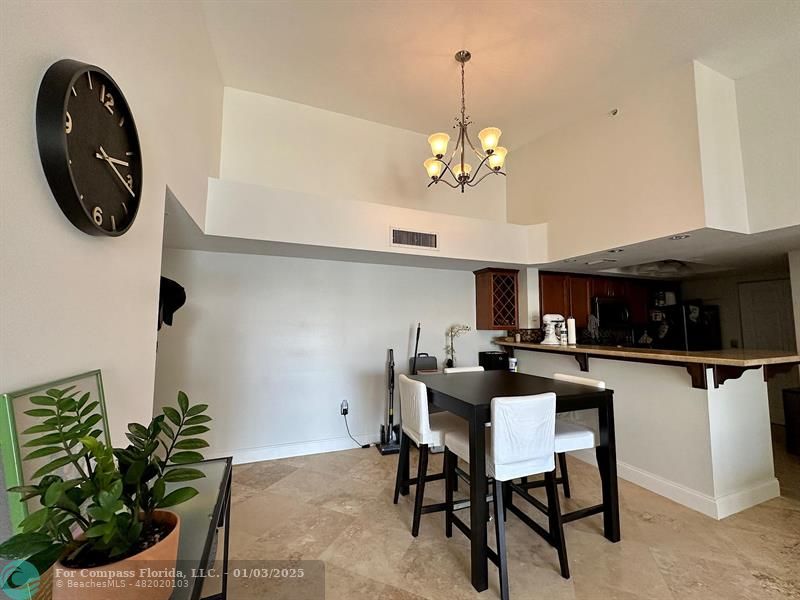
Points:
(611, 311)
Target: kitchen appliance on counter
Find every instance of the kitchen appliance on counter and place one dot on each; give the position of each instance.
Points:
(686, 326)
(493, 360)
(552, 329)
(611, 311)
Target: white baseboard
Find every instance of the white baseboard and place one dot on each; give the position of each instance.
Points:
(250, 455)
(738, 501)
(716, 508)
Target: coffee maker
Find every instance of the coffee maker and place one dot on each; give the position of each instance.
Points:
(553, 325)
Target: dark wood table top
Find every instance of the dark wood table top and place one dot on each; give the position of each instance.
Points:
(477, 389)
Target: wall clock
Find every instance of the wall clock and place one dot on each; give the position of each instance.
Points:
(89, 147)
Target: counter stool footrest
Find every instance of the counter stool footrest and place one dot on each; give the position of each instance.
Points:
(582, 512)
(530, 499)
(533, 525)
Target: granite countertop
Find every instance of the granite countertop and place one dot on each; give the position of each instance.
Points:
(731, 357)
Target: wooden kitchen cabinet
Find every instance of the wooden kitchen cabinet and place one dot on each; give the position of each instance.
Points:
(580, 300)
(571, 294)
(497, 298)
(554, 293)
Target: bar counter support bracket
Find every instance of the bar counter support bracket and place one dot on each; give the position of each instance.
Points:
(583, 361)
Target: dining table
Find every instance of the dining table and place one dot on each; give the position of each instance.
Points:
(469, 395)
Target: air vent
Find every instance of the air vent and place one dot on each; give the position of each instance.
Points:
(414, 239)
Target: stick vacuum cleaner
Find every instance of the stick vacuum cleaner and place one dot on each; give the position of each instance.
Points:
(390, 433)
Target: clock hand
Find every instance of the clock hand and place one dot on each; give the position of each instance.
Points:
(111, 159)
(107, 158)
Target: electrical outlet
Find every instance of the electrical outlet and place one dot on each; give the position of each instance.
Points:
(343, 408)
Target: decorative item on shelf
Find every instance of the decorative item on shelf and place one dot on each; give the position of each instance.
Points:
(462, 173)
(453, 332)
(107, 512)
(20, 412)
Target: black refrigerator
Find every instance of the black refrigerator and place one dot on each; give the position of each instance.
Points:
(686, 326)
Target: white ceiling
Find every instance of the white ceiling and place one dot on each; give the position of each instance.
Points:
(704, 251)
(536, 64)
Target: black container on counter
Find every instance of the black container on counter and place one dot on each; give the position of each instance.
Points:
(493, 360)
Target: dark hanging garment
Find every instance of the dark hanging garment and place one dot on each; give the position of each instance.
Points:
(171, 297)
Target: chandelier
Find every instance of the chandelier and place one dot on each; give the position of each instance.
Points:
(461, 172)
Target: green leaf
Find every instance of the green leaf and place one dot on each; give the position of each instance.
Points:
(98, 530)
(183, 402)
(159, 489)
(45, 440)
(192, 444)
(135, 440)
(116, 489)
(98, 513)
(92, 420)
(35, 520)
(43, 428)
(196, 410)
(52, 466)
(195, 430)
(43, 400)
(197, 420)
(47, 451)
(83, 401)
(24, 545)
(40, 412)
(46, 558)
(61, 420)
(56, 393)
(168, 431)
(138, 430)
(67, 404)
(53, 493)
(88, 408)
(183, 474)
(181, 458)
(178, 496)
(173, 415)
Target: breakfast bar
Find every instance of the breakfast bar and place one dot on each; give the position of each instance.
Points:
(681, 417)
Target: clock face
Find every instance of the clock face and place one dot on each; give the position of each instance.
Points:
(93, 161)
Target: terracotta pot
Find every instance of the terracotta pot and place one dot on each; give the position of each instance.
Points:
(128, 582)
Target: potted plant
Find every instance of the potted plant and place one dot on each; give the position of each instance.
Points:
(453, 332)
(108, 505)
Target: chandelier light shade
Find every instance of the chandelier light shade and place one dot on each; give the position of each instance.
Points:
(458, 168)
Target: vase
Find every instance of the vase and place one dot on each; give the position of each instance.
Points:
(129, 583)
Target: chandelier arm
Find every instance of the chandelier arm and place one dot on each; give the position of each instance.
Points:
(447, 169)
(454, 186)
(475, 174)
(457, 146)
(485, 175)
(478, 154)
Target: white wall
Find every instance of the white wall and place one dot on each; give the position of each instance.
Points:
(274, 344)
(241, 210)
(769, 122)
(604, 182)
(724, 194)
(281, 144)
(70, 302)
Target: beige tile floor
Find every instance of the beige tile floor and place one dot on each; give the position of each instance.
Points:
(337, 507)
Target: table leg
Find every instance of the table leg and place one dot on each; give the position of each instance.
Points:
(478, 509)
(226, 541)
(606, 454)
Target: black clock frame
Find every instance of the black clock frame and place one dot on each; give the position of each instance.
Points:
(51, 109)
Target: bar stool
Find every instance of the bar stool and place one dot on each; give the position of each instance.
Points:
(565, 422)
(520, 443)
(463, 370)
(424, 430)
